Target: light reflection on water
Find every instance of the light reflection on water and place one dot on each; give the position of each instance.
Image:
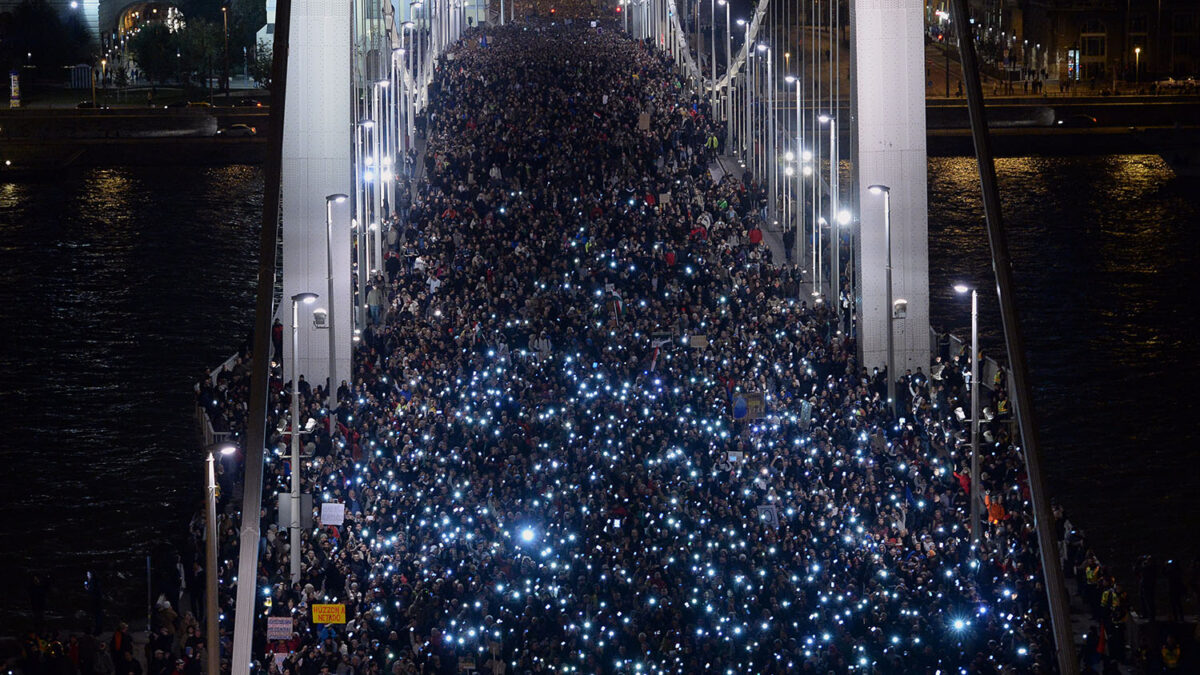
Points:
(121, 285)
(1106, 257)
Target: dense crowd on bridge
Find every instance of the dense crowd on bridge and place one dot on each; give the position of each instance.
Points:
(538, 456)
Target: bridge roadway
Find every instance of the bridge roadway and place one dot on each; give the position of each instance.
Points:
(616, 573)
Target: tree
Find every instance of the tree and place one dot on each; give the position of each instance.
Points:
(260, 66)
(246, 17)
(200, 44)
(154, 49)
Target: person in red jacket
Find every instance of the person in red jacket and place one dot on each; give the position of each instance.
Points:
(756, 235)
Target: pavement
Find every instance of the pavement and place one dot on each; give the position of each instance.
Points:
(772, 237)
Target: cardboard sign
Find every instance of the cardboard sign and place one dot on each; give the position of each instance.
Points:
(749, 406)
(756, 406)
(279, 628)
(329, 613)
(333, 513)
(769, 513)
(806, 409)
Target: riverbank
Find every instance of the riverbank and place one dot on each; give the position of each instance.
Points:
(32, 159)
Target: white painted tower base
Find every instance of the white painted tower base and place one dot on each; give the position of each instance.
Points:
(890, 80)
(317, 163)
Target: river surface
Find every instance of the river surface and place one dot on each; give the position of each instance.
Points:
(121, 285)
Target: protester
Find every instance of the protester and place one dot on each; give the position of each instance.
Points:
(544, 469)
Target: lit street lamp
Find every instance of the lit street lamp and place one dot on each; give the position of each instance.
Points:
(799, 210)
(294, 526)
(772, 183)
(747, 95)
(887, 237)
(225, 65)
(712, 52)
(961, 288)
(212, 634)
(836, 218)
(728, 79)
(361, 205)
(331, 392)
(1137, 65)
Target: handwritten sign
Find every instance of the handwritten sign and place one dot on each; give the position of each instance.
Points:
(333, 514)
(279, 628)
(329, 613)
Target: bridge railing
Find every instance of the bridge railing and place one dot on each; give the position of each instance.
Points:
(988, 367)
(209, 436)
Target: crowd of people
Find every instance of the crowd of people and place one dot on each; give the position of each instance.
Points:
(541, 466)
(541, 460)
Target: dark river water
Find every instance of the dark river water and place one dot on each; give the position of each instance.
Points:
(120, 286)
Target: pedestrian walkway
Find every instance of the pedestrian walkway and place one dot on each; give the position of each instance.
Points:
(773, 237)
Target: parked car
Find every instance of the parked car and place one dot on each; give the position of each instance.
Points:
(249, 103)
(177, 104)
(199, 104)
(237, 131)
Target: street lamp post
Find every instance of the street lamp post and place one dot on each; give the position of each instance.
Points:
(773, 169)
(747, 94)
(212, 632)
(799, 210)
(887, 238)
(837, 218)
(361, 220)
(728, 80)
(1137, 65)
(331, 392)
(788, 172)
(712, 52)
(975, 527)
(806, 170)
(225, 67)
(294, 526)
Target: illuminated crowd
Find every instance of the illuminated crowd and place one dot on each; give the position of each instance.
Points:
(540, 458)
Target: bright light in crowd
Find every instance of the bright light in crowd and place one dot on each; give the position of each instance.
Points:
(527, 535)
(961, 288)
(843, 217)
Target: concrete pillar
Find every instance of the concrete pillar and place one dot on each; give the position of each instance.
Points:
(890, 82)
(317, 163)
